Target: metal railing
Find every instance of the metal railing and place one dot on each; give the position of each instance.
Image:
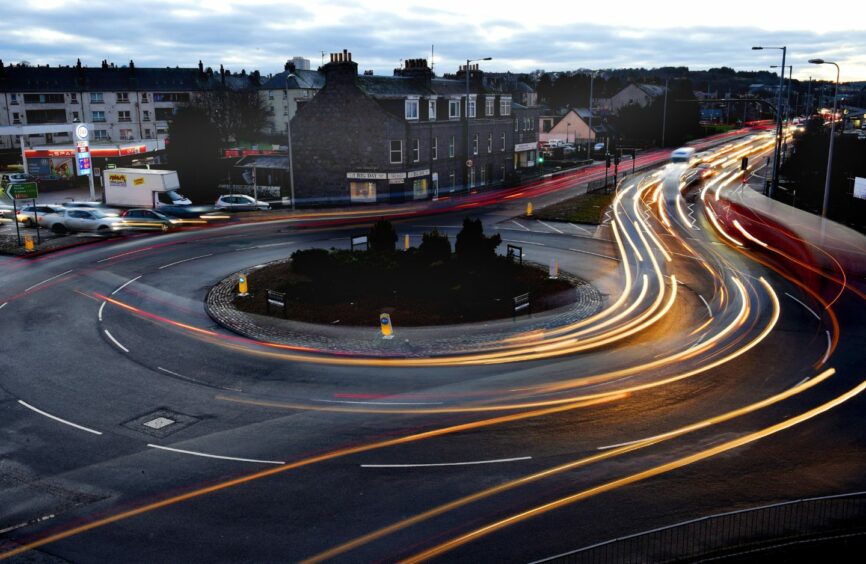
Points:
(727, 534)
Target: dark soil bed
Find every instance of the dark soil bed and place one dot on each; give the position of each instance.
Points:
(354, 288)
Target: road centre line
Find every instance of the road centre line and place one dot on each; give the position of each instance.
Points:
(378, 402)
(195, 381)
(48, 280)
(58, 419)
(470, 463)
(125, 254)
(829, 346)
(125, 284)
(710, 311)
(115, 341)
(184, 260)
(3, 305)
(205, 455)
(100, 310)
(818, 317)
(550, 226)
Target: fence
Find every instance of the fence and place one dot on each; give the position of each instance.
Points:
(736, 532)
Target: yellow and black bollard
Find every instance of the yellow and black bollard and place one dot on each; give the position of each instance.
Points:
(243, 286)
(528, 209)
(29, 245)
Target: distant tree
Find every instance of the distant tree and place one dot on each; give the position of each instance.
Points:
(472, 245)
(238, 115)
(435, 247)
(382, 237)
(194, 151)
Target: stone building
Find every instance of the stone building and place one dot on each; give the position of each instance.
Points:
(409, 136)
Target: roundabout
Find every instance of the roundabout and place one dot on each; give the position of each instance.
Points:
(146, 419)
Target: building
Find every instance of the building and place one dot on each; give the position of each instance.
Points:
(393, 138)
(283, 92)
(571, 127)
(640, 94)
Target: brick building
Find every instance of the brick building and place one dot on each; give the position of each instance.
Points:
(403, 137)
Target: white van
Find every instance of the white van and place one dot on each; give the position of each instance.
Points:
(683, 155)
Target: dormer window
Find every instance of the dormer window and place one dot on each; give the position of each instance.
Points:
(431, 110)
(505, 106)
(454, 109)
(489, 106)
(471, 110)
(412, 108)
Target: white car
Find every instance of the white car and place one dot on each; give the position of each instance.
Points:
(81, 219)
(240, 202)
(41, 211)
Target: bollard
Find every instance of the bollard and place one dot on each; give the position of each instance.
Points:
(528, 209)
(29, 246)
(554, 269)
(406, 242)
(385, 325)
(243, 287)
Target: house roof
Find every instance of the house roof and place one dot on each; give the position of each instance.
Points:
(297, 80)
(392, 86)
(653, 90)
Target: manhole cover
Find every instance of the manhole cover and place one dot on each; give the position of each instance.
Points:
(159, 423)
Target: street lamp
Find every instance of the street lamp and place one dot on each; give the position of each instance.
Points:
(778, 148)
(832, 135)
(289, 139)
(468, 141)
(788, 94)
(589, 135)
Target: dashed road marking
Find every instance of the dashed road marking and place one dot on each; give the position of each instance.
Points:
(829, 346)
(115, 341)
(184, 260)
(102, 307)
(818, 317)
(206, 455)
(3, 305)
(379, 402)
(125, 254)
(48, 280)
(710, 311)
(550, 227)
(470, 463)
(125, 284)
(58, 419)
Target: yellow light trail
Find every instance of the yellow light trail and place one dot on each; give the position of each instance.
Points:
(634, 478)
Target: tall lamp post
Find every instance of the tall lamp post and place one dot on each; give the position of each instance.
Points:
(788, 91)
(832, 135)
(775, 183)
(468, 134)
(589, 135)
(289, 139)
(665, 112)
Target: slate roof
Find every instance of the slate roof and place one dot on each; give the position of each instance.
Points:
(298, 80)
(120, 79)
(653, 90)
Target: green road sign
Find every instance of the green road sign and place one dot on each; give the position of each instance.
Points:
(23, 191)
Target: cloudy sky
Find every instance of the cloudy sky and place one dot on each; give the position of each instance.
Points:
(520, 36)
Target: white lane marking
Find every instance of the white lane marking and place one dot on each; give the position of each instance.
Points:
(184, 260)
(279, 244)
(380, 402)
(829, 344)
(525, 242)
(115, 341)
(818, 317)
(550, 226)
(195, 381)
(471, 463)
(3, 305)
(803, 381)
(205, 455)
(100, 310)
(584, 229)
(49, 280)
(64, 421)
(520, 225)
(125, 254)
(27, 523)
(125, 284)
(710, 311)
(608, 447)
(593, 254)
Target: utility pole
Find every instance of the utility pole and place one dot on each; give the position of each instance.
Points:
(289, 139)
(665, 112)
(778, 147)
(589, 135)
(468, 132)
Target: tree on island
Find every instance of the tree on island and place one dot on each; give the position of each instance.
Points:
(472, 245)
(382, 237)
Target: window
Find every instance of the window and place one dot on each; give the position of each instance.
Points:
(505, 106)
(416, 150)
(362, 191)
(75, 117)
(100, 134)
(123, 116)
(451, 179)
(434, 149)
(396, 152)
(483, 176)
(453, 109)
(472, 177)
(13, 98)
(98, 116)
(126, 135)
(451, 147)
(123, 97)
(43, 99)
(182, 97)
(503, 140)
(145, 115)
(412, 109)
(148, 134)
(162, 131)
(431, 109)
(270, 94)
(144, 97)
(419, 188)
(516, 125)
(164, 114)
(489, 106)
(73, 98)
(489, 142)
(502, 176)
(472, 106)
(475, 144)
(96, 97)
(16, 117)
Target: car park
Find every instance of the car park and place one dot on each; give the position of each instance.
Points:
(240, 202)
(144, 219)
(26, 214)
(76, 220)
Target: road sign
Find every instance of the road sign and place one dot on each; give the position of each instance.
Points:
(469, 163)
(23, 191)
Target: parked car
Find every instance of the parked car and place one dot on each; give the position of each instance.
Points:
(15, 178)
(111, 212)
(240, 202)
(6, 211)
(147, 219)
(74, 220)
(25, 214)
(189, 212)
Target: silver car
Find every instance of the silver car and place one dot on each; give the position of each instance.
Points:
(240, 202)
(76, 220)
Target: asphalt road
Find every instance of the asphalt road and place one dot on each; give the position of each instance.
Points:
(651, 412)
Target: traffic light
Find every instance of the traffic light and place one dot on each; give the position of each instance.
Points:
(540, 160)
(616, 158)
(607, 160)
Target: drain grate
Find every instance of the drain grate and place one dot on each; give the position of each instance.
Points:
(161, 422)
